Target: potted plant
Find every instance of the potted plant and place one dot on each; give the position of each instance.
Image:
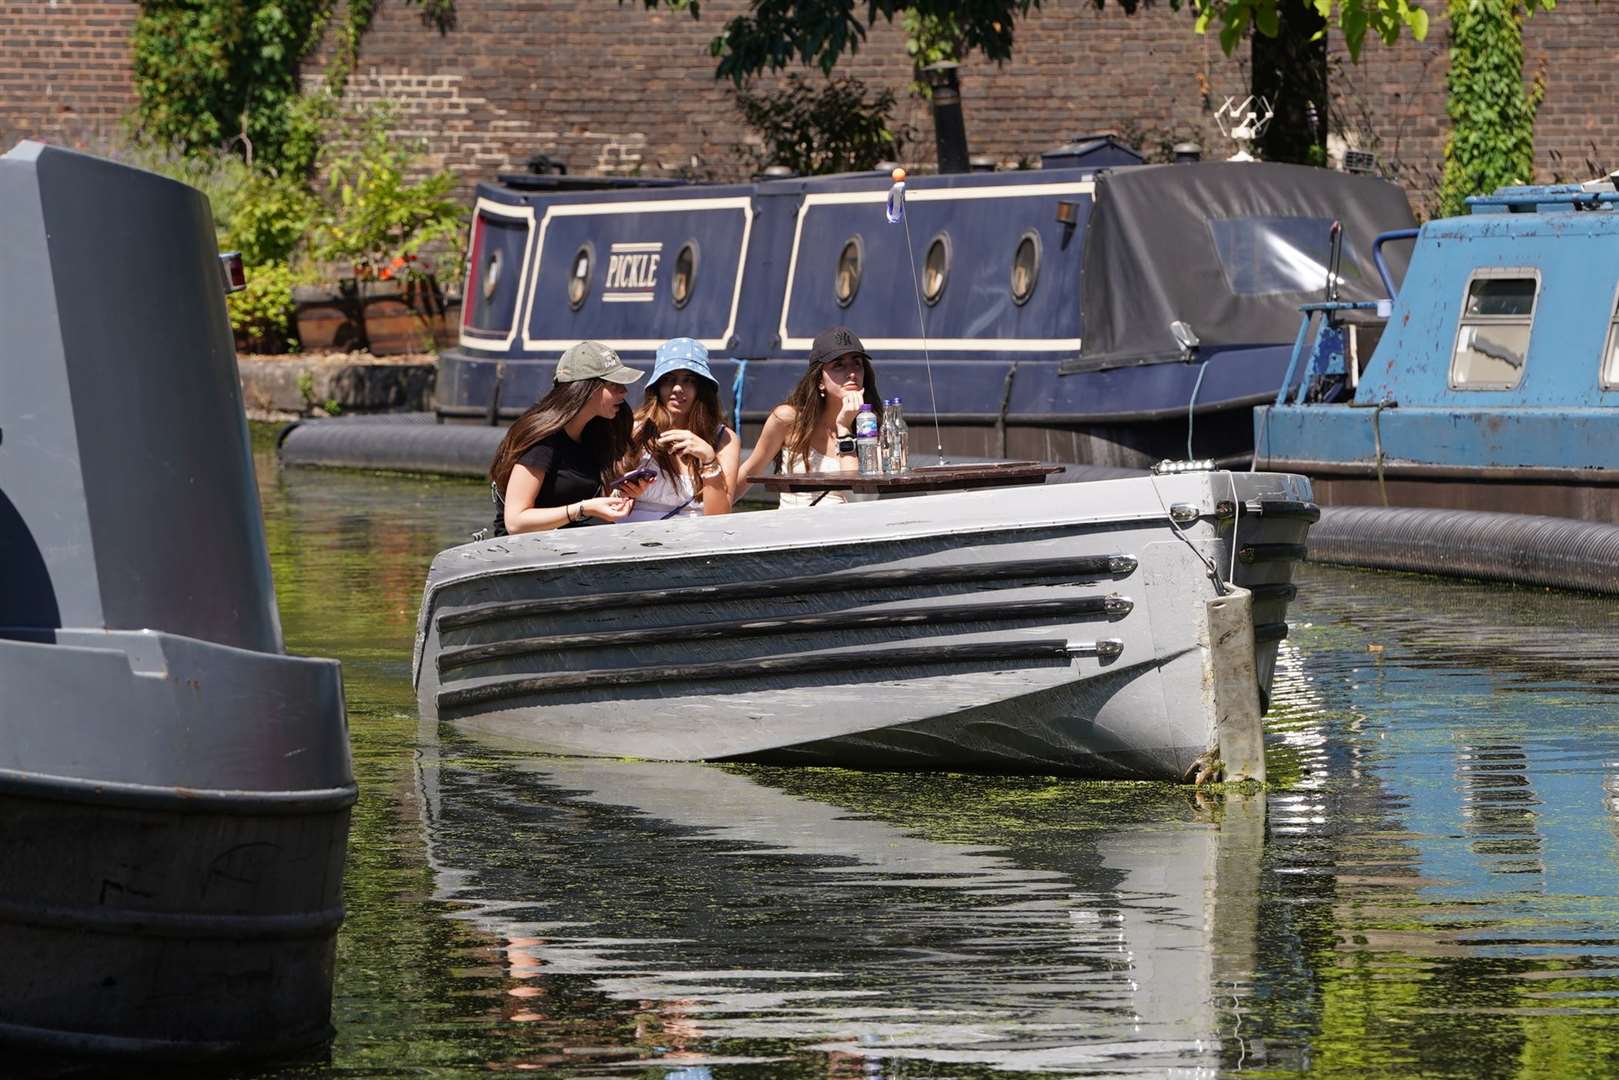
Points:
(392, 231)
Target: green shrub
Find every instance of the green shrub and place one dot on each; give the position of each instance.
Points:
(829, 129)
(261, 314)
(376, 219)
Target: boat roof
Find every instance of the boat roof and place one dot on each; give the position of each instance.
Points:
(1229, 248)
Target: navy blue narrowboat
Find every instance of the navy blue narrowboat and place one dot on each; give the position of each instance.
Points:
(1495, 386)
(1042, 301)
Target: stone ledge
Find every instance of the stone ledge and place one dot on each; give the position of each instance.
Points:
(276, 388)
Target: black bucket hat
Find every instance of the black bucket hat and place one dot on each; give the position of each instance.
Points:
(833, 342)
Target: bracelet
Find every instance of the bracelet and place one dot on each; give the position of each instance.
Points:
(571, 519)
(710, 472)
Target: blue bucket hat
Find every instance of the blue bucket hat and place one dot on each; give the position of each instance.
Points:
(681, 354)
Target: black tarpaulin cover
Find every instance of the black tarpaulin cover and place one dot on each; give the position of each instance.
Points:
(1229, 248)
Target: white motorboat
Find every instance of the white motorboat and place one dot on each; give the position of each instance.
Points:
(1120, 628)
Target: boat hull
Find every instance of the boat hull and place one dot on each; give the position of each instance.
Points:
(178, 899)
(1060, 629)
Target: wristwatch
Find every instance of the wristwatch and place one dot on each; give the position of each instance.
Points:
(846, 444)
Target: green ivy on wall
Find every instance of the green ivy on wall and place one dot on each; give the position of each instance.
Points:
(1492, 114)
(213, 73)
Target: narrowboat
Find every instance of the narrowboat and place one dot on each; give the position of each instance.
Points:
(1097, 311)
(1494, 385)
(1117, 628)
(174, 788)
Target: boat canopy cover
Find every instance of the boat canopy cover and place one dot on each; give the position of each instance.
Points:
(1229, 248)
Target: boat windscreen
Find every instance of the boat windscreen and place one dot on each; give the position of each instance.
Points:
(1231, 249)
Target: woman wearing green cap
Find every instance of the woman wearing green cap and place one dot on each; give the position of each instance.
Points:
(813, 430)
(563, 451)
(680, 426)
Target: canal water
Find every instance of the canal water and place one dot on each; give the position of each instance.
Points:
(1431, 889)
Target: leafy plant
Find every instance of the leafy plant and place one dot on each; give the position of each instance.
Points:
(835, 128)
(261, 314)
(377, 220)
(932, 38)
(208, 73)
(1492, 135)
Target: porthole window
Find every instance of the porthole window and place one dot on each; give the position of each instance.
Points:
(579, 276)
(1492, 338)
(1025, 267)
(685, 276)
(491, 275)
(851, 261)
(936, 268)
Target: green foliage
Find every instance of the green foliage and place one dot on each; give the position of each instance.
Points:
(1492, 135)
(376, 218)
(261, 314)
(931, 38)
(212, 73)
(209, 73)
(776, 34)
(828, 130)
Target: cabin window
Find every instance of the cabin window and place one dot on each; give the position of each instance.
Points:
(1261, 256)
(685, 276)
(579, 276)
(1025, 267)
(936, 268)
(1610, 355)
(1492, 340)
(851, 261)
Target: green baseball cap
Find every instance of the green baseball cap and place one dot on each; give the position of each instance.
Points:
(593, 360)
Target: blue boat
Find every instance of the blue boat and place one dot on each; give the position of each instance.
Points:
(1047, 296)
(1495, 385)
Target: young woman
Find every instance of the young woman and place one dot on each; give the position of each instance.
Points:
(680, 428)
(813, 430)
(562, 452)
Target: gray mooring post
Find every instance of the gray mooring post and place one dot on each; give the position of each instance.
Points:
(1231, 685)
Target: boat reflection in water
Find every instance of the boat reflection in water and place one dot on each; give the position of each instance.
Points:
(859, 915)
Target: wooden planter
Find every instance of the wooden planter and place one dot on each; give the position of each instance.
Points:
(329, 317)
(410, 316)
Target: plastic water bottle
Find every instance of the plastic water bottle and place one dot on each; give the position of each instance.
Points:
(866, 440)
(899, 438)
(885, 437)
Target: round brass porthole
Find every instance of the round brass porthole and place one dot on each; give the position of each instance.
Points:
(1025, 267)
(851, 260)
(579, 276)
(491, 275)
(936, 268)
(685, 276)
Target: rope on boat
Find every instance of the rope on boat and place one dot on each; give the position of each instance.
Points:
(1525, 549)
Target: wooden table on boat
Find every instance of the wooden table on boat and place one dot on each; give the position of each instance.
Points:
(927, 478)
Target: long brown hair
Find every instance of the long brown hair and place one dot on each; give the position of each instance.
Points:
(806, 401)
(705, 419)
(607, 440)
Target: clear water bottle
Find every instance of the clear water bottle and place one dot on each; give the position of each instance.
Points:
(885, 437)
(899, 438)
(866, 440)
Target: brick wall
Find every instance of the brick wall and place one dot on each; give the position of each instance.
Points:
(64, 72)
(614, 88)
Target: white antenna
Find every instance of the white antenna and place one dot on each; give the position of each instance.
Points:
(1243, 123)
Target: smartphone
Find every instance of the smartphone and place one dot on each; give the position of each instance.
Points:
(645, 472)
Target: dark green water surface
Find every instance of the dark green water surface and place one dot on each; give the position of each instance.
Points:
(1432, 890)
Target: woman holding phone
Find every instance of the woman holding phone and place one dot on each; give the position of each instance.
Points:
(813, 430)
(560, 454)
(680, 428)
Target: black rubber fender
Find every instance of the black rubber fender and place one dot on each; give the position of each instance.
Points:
(1525, 549)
